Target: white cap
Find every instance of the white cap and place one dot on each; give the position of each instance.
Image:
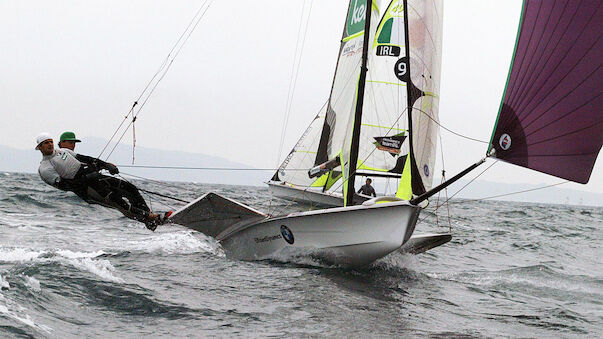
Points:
(42, 137)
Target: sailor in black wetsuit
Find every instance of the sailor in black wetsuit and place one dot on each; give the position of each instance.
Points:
(68, 171)
(367, 189)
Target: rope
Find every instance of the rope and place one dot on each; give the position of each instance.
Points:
(490, 197)
(449, 130)
(493, 196)
(457, 192)
(163, 195)
(209, 168)
(161, 72)
(523, 191)
(294, 73)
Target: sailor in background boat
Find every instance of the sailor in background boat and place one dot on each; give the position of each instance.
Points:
(68, 140)
(68, 171)
(367, 189)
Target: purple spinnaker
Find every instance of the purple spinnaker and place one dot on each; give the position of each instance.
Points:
(550, 117)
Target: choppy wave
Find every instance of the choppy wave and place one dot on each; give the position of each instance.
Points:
(178, 242)
(68, 269)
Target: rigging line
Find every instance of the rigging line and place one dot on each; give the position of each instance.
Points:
(210, 168)
(163, 183)
(117, 130)
(165, 70)
(445, 191)
(523, 191)
(457, 192)
(449, 130)
(291, 80)
(497, 196)
(161, 67)
(150, 198)
(294, 74)
(164, 196)
(169, 65)
(374, 149)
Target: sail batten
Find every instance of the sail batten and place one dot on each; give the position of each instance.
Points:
(550, 115)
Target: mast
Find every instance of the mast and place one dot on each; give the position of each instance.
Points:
(410, 97)
(353, 161)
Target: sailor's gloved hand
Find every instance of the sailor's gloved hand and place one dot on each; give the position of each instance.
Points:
(112, 168)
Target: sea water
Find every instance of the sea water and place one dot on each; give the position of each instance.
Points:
(69, 270)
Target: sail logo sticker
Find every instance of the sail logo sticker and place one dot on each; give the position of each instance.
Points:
(356, 17)
(426, 170)
(390, 144)
(401, 69)
(397, 9)
(287, 234)
(386, 50)
(504, 141)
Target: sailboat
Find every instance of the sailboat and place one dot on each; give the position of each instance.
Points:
(384, 90)
(380, 123)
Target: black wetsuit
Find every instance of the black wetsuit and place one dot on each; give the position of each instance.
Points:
(367, 190)
(120, 192)
(79, 173)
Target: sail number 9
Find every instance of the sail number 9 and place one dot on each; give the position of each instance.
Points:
(401, 69)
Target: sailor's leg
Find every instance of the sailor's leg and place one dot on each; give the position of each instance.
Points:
(130, 192)
(109, 191)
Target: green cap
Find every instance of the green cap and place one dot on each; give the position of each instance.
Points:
(68, 136)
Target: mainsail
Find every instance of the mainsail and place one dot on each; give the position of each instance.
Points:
(403, 58)
(403, 73)
(550, 116)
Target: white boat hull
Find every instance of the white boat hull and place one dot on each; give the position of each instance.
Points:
(305, 196)
(347, 236)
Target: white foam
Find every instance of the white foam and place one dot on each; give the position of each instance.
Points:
(3, 283)
(399, 260)
(80, 260)
(32, 283)
(24, 254)
(183, 242)
(101, 268)
(7, 307)
(77, 255)
(18, 254)
(489, 279)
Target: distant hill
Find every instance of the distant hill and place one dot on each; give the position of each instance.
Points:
(17, 160)
(549, 195)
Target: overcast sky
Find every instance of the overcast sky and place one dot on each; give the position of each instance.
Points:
(79, 66)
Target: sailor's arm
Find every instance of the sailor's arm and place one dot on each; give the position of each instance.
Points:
(97, 163)
(49, 175)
